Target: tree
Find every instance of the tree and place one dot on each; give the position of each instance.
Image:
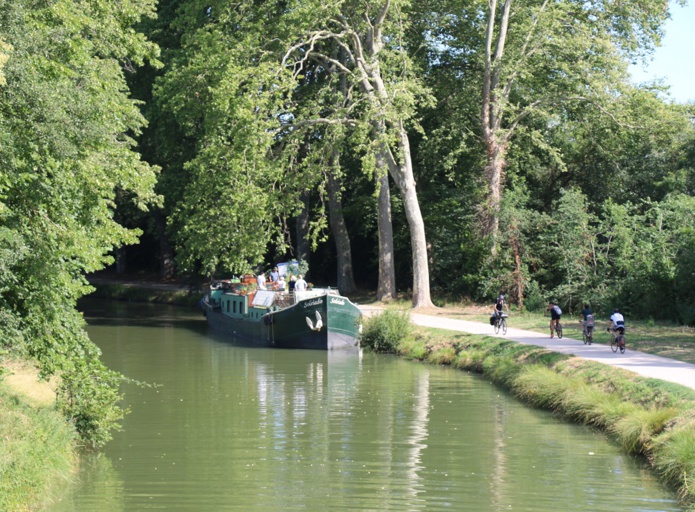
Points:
(66, 150)
(246, 174)
(540, 55)
(371, 37)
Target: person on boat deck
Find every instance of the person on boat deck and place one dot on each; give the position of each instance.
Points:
(260, 280)
(293, 281)
(300, 285)
(274, 275)
(281, 284)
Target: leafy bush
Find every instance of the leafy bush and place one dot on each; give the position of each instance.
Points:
(386, 331)
(89, 397)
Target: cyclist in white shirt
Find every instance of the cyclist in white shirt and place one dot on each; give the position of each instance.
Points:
(617, 321)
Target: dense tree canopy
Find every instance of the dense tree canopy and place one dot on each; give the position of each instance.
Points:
(66, 148)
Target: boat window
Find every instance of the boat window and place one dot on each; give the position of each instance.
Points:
(234, 308)
(227, 306)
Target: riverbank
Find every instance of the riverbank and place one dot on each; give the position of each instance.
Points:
(38, 452)
(646, 417)
(148, 291)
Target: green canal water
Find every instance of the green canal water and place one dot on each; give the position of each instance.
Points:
(231, 427)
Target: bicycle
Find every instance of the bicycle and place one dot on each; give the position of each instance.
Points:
(588, 331)
(558, 328)
(618, 340)
(501, 324)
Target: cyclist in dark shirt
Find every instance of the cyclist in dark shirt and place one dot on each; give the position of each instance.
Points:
(555, 315)
(497, 308)
(587, 318)
(499, 305)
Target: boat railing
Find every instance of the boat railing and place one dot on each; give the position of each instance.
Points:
(284, 300)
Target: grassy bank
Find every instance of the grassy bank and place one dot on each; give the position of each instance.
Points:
(647, 417)
(37, 453)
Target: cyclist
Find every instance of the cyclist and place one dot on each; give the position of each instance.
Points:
(587, 317)
(555, 315)
(498, 307)
(616, 322)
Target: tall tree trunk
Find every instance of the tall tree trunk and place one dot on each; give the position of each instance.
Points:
(494, 176)
(346, 278)
(494, 99)
(405, 181)
(302, 245)
(121, 260)
(166, 251)
(386, 288)
(401, 169)
(518, 268)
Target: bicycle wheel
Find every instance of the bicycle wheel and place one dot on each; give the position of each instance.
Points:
(497, 325)
(590, 335)
(614, 344)
(504, 326)
(558, 329)
(585, 337)
(621, 343)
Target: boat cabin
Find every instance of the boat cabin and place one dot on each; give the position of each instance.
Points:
(236, 301)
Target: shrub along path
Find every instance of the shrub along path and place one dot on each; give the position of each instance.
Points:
(646, 365)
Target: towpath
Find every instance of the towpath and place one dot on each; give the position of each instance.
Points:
(646, 365)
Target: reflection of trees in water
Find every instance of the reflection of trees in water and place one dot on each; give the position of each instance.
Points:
(344, 425)
(97, 483)
(420, 432)
(499, 474)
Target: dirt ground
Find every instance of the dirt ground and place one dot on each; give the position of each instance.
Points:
(23, 379)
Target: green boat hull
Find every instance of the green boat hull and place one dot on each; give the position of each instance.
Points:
(321, 322)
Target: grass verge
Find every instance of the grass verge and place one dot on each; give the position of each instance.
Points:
(648, 417)
(37, 453)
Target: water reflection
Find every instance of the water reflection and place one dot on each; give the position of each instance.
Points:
(237, 428)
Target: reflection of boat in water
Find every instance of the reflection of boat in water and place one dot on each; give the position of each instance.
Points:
(319, 318)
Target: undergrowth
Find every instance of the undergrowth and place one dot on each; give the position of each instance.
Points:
(36, 454)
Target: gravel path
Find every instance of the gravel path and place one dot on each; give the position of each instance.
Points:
(646, 365)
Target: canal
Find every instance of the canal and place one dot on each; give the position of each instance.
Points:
(230, 427)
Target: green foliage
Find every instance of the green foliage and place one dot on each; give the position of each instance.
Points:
(386, 331)
(89, 398)
(181, 297)
(67, 149)
(300, 268)
(535, 301)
